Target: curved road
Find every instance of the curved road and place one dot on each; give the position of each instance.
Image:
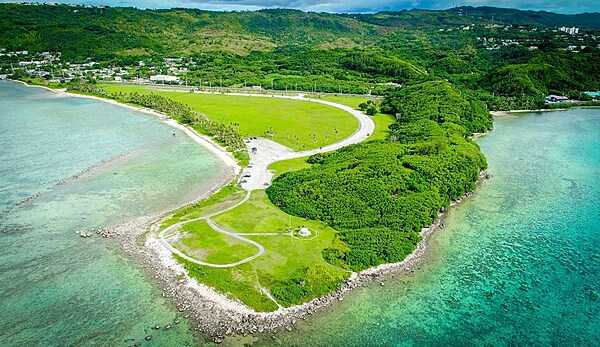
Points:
(217, 228)
(267, 153)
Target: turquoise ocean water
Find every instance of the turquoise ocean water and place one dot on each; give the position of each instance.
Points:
(57, 289)
(518, 264)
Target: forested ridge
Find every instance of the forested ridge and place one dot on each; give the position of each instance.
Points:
(505, 58)
(379, 195)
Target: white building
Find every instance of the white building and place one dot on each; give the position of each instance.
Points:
(163, 78)
(304, 232)
(570, 31)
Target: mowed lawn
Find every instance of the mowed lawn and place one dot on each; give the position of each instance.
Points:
(285, 255)
(382, 121)
(297, 124)
(283, 166)
(348, 100)
(284, 259)
(202, 242)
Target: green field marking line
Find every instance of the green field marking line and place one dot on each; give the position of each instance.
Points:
(362, 133)
(217, 228)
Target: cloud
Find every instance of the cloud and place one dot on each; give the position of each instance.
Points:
(568, 6)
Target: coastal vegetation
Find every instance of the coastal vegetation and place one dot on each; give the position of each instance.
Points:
(297, 124)
(284, 166)
(225, 134)
(379, 195)
(364, 204)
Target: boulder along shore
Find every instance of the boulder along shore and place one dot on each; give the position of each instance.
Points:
(217, 315)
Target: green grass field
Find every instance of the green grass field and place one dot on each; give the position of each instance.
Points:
(299, 125)
(348, 100)
(224, 198)
(287, 256)
(283, 166)
(292, 269)
(200, 241)
(382, 121)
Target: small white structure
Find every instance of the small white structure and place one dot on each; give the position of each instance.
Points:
(163, 78)
(304, 232)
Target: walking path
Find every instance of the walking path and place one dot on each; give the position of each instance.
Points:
(216, 228)
(264, 152)
(268, 152)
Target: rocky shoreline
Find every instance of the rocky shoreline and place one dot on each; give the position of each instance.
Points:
(210, 312)
(217, 316)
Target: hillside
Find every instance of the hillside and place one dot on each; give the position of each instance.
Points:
(291, 49)
(83, 31)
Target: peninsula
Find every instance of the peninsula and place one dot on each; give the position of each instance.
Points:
(346, 137)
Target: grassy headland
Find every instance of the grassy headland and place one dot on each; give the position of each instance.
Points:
(297, 124)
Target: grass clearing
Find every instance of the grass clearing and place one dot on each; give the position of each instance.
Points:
(348, 100)
(239, 283)
(288, 261)
(292, 268)
(200, 241)
(284, 166)
(300, 125)
(224, 198)
(382, 123)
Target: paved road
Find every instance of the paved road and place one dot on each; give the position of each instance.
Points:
(268, 152)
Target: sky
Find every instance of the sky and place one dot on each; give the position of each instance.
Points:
(560, 6)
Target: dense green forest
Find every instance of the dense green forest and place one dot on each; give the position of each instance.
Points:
(380, 194)
(506, 58)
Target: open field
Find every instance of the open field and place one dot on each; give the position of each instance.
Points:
(348, 100)
(382, 122)
(284, 166)
(300, 125)
(199, 240)
(224, 198)
(288, 259)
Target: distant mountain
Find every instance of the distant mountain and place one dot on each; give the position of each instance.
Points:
(519, 17)
(81, 32)
(471, 15)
